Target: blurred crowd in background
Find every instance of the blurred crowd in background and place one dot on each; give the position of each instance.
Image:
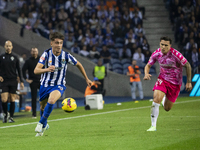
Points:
(185, 18)
(108, 29)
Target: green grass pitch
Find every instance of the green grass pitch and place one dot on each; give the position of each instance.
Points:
(115, 127)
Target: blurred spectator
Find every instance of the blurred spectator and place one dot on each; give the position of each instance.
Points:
(62, 15)
(93, 21)
(13, 15)
(24, 9)
(105, 55)
(147, 56)
(80, 8)
(139, 56)
(195, 60)
(102, 11)
(91, 4)
(94, 54)
(108, 41)
(90, 46)
(22, 20)
(3, 4)
(70, 42)
(48, 29)
(131, 35)
(145, 46)
(126, 18)
(44, 16)
(75, 48)
(28, 26)
(117, 31)
(84, 52)
(139, 29)
(188, 8)
(45, 4)
(140, 38)
(83, 42)
(53, 18)
(189, 46)
(124, 53)
(99, 38)
(10, 5)
(60, 27)
(38, 28)
(136, 20)
(31, 19)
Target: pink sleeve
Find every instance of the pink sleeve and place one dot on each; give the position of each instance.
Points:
(153, 58)
(181, 59)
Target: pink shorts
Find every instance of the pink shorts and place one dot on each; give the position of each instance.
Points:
(171, 90)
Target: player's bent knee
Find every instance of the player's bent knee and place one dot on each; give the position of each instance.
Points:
(167, 108)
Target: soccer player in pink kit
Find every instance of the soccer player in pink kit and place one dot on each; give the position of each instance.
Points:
(167, 86)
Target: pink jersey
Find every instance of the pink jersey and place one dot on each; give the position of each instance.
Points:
(171, 65)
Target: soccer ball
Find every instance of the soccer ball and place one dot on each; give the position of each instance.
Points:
(69, 105)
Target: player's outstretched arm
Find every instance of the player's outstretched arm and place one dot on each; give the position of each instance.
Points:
(188, 85)
(147, 76)
(82, 70)
(39, 69)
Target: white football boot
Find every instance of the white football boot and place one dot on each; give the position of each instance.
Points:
(43, 129)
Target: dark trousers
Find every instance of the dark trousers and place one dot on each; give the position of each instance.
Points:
(34, 86)
(101, 86)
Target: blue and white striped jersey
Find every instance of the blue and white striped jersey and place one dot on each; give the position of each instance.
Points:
(60, 62)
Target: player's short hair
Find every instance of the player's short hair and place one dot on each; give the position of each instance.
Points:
(166, 38)
(56, 35)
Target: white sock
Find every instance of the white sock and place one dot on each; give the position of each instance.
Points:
(154, 113)
(163, 100)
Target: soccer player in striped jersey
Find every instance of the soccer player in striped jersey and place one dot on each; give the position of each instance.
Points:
(53, 66)
(169, 81)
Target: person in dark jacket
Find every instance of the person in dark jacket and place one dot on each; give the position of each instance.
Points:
(32, 79)
(9, 70)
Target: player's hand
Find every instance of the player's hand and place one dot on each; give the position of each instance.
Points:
(188, 86)
(21, 86)
(29, 81)
(1, 79)
(147, 77)
(51, 68)
(89, 82)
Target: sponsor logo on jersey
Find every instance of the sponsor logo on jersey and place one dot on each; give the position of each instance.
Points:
(42, 58)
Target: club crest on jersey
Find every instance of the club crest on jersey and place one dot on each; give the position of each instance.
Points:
(63, 61)
(12, 58)
(60, 87)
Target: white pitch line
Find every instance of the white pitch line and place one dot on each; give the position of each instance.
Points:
(108, 112)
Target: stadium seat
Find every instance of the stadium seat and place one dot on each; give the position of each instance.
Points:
(113, 61)
(125, 66)
(125, 60)
(120, 71)
(117, 66)
(115, 55)
(125, 71)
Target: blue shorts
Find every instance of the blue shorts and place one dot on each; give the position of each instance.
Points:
(45, 91)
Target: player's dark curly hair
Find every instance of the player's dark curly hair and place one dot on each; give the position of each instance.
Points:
(166, 38)
(56, 35)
